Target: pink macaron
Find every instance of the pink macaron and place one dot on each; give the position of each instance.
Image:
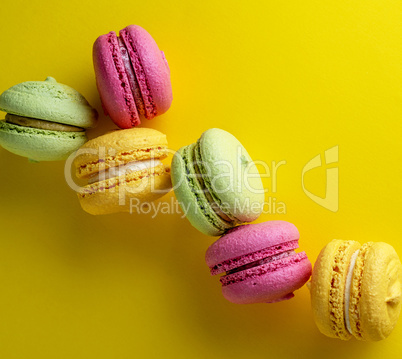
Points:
(132, 76)
(259, 262)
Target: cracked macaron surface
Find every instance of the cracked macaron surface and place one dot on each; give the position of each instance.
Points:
(132, 76)
(259, 263)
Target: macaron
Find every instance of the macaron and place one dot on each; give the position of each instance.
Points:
(132, 76)
(45, 120)
(217, 183)
(123, 169)
(356, 290)
(259, 262)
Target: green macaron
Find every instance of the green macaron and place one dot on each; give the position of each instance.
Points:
(45, 120)
(217, 183)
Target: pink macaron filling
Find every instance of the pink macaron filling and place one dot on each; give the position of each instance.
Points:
(258, 263)
(254, 258)
(124, 81)
(150, 107)
(135, 89)
(263, 266)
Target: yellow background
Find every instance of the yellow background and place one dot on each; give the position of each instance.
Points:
(290, 79)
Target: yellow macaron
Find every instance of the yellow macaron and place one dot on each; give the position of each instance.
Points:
(122, 166)
(356, 290)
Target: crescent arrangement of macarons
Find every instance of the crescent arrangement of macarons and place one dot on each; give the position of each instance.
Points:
(355, 289)
(45, 120)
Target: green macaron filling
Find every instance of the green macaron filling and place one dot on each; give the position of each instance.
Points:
(219, 207)
(49, 100)
(196, 183)
(10, 128)
(40, 124)
(38, 144)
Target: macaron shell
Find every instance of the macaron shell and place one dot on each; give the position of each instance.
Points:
(379, 294)
(234, 181)
(328, 287)
(120, 147)
(246, 239)
(39, 145)
(191, 198)
(126, 193)
(49, 100)
(271, 286)
(151, 69)
(112, 82)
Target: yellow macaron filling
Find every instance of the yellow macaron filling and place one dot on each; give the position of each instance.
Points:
(123, 170)
(348, 286)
